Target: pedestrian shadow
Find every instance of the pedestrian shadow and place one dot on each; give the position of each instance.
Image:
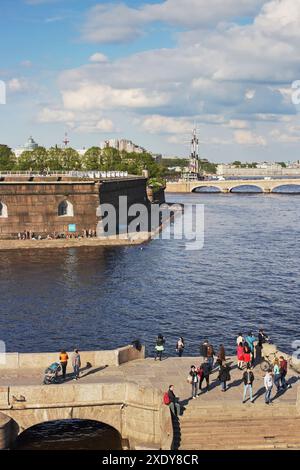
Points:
(235, 383)
(258, 393)
(84, 372)
(92, 371)
(176, 432)
(279, 393)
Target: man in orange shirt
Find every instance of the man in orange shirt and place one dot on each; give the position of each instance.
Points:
(63, 359)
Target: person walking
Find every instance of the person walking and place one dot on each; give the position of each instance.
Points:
(248, 378)
(76, 363)
(268, 383)
(240, 356)
(283, 367)
(221, 355)
(160, 346)
(173, 402)
(250, 340)
(247, 354)
(205, 367)
(193, 380)
(210, 355)
(203, 349)
(63, 359)
(180, 346)
(200, 373)
(276, 372)
(224, 375)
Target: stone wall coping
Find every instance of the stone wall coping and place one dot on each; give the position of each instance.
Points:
(114, 357)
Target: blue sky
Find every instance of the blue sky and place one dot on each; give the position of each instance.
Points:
(147, 70)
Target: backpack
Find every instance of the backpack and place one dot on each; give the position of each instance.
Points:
(166, 398)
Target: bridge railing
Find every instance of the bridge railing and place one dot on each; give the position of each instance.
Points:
(74, 174)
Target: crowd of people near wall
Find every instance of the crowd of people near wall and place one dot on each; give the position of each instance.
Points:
(249, 352)
(30, 235)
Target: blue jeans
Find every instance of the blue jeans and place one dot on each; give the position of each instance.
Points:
(283, 381)
(246, 388)
(268, 395)
(277, 381)
(194, 389)
(210, 361)
(76, 371)
(223, 384)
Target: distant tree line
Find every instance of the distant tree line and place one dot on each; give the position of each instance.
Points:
(204, 165)
(95, 158)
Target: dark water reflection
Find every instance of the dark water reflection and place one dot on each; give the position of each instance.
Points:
(247, 275)
(69, 435)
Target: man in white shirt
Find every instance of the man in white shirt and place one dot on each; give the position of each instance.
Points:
(268, 382)
(240, 339)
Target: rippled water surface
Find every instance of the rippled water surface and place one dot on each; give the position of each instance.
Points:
(246, 276)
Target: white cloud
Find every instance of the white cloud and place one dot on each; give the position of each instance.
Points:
(249, 138)
(88, 96)
(83, 122)
(98, 57)
(103, 125)
(18, 85)
(232, 78)
(55, 115)
(166, 125)
(112, 23)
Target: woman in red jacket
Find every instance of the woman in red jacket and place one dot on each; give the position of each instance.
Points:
(247, 355)
(240, 355)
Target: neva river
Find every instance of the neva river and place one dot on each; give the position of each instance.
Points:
(246, 276)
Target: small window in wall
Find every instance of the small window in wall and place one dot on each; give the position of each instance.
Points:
(3, 210)
(65, 209)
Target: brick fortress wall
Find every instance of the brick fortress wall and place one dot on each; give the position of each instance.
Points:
(32, 203)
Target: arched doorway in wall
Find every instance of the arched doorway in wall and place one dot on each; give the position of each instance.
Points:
(3, 210)
(70, 434)
(65, 209)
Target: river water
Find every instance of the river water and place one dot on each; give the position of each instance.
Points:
(246, 276)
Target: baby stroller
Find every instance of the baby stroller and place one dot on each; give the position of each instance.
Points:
(51, 373)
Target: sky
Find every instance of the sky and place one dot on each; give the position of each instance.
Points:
(150, 71)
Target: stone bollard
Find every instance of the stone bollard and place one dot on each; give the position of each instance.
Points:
(6, 431)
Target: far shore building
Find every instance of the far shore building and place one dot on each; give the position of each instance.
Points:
(122, 145)
(29, 146)
(269, 169)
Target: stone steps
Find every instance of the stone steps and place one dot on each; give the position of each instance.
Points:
(237, 427)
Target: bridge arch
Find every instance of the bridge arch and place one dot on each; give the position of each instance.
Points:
(206, 189)
(70, 434)
(285, 188)
(246, 189)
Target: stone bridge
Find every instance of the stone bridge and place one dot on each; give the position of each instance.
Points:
(124, 390)
(135, 411)
(227, 186)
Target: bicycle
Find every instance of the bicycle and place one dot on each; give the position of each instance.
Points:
(268, 361)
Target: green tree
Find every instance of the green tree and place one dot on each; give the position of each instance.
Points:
(92, 159)
(237, 163)
(54, 158)
(35, 160)
(111, 159)
(70, 160)
(7, 158)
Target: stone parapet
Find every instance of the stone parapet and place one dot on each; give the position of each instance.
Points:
(113, 357)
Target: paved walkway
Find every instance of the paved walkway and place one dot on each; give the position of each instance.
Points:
(160, 375)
